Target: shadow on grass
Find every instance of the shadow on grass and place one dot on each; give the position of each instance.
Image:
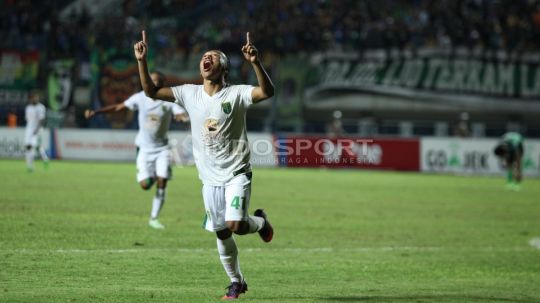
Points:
(427, 298)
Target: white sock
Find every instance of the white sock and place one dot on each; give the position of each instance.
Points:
(157, 203)
(43, 154)
(228, 254)
(255, 224)
(30, 158)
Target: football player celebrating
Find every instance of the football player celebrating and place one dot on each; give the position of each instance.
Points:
(217, 111)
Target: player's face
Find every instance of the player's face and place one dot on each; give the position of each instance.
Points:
(34, 98)
(210, 66)
(156, 78)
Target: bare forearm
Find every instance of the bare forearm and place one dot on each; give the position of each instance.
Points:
(146, 81)
(265, 83)
(107, 109)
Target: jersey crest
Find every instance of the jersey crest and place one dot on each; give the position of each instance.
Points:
(226, 107)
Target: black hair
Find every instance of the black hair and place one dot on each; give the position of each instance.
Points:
(501, 150)
(224, 62)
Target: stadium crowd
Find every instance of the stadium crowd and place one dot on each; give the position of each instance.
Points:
(282, 26)
(183, 29)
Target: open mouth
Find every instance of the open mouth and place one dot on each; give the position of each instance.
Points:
(207, 65)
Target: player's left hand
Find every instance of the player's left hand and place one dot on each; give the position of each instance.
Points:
(250, 51)
(141, 48)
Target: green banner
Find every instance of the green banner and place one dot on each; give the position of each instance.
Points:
(459, 74)
(290, 83)
(60, 84)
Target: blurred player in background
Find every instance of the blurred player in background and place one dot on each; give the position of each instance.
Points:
(35, 120)
(218, 127)
(153, 153)
(510, 150)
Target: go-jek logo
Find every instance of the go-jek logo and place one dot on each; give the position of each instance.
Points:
(456, 158)
(11, 147)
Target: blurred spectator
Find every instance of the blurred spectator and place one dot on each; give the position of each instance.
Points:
(335, 126)
(12, 119)
(462, 127)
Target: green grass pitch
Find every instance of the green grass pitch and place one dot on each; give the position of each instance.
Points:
(78, 233)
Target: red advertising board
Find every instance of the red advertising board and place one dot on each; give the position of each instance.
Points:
(349, 152)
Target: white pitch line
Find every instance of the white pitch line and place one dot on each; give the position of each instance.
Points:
(534, 242)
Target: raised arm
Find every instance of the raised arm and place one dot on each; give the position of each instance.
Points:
(265, 89)
(160, 93)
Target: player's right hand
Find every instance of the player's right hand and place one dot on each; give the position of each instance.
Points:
(141, 48)
(89, 113)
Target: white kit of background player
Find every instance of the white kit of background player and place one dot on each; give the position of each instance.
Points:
(153, 152)
(35, 119)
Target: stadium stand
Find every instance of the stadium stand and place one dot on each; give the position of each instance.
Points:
(184, 28)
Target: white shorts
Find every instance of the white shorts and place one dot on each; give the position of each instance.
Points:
(32, 139)
(153, 164)
(226, 203)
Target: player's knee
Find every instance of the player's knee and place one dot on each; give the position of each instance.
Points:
(237, 227)
(161, 182)
(232, 225)
(224, 234)
(146, 184)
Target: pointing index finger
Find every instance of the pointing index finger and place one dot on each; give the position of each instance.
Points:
(144, 37)
(247, 38)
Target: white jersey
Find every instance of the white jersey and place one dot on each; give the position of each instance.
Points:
(154, 120)
(34, 113)
(218, 128)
